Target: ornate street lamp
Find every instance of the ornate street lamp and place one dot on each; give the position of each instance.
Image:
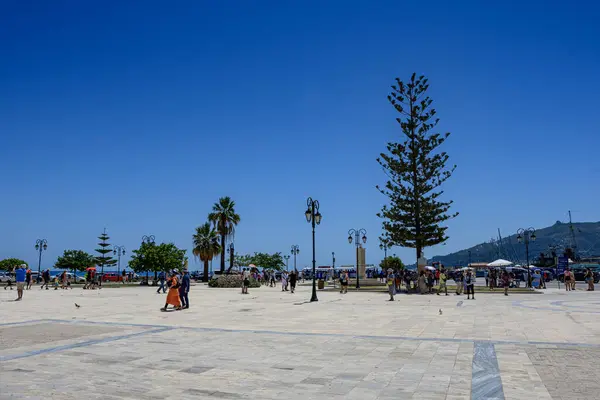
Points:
(119, 251)
(313, 216)
(287, 258)
(295, 251)
(40, 245)
(357, 239)
(524, 236)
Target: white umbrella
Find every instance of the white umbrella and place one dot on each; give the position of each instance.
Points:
(429, 267)
(500, 263)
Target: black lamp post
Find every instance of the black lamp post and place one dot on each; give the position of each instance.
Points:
(149, 240)
(469, 259)
(295, 251)
(119, 251)
(40, 245)
(287, 258)
(313, 216)
(231, 251)
(525, 235)
(357, 233)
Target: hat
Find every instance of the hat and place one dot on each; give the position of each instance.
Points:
(23, 265)
(390, 270)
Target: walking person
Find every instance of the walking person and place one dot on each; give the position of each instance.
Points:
(470, 281)
(184, 289)
(173, 295)
(458, 279)
(20, 273)
(589, 278)
(284, 282)
(391, 283)
(63, 280)
(293, 277)
(506, 282)
(245, 281)
(46, 279)
(28, 279)
(567, 279)
(123, 277)
(161, 280)
(443, 278)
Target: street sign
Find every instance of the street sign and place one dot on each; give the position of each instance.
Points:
(562, 264)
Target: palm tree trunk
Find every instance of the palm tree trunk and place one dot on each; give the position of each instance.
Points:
(205, 277)
(222, 253)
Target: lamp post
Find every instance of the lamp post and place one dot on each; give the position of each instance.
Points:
(469, 259)
(149, 240)
(287, 258)
(313, 216)
(384, 246)
(40, 245)
(525, 235)
(357, 233)
(231, 251)
(119, 251)
(295, 251)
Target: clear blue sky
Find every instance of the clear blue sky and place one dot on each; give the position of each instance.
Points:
(138, 115)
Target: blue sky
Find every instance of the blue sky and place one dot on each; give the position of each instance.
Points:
(137, 116)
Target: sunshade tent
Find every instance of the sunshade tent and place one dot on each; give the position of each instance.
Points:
(500, 263)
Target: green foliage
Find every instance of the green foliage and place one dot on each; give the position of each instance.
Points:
(8, 264)
(230, 281)
(206, 245)
(416, 169)
(394, 263)
(225, 219)
(242, 260)
(264, 260)
(104, 250)
(151, 257)
(75, 259)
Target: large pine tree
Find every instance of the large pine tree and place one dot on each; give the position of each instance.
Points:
(104, 251)
(416, 169)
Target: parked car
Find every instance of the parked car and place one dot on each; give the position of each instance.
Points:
(111, 277)
(5, 277)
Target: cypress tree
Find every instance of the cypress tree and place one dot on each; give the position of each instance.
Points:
(105, 249)
(416, 169)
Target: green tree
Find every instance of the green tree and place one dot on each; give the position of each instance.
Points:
(225, 219)
(144, 259)
(77, 260)
(392, 262)
(169, 257)
(8, 264)
(242, 260)
(268, 261)
(104, 252)
(206, 245)
(416, 169)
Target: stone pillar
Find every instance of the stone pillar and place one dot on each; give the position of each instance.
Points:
(361, 262)
(421, 263)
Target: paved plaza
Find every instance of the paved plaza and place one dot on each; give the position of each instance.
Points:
(274, 345)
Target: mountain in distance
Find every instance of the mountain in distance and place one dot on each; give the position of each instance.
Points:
(558, 237)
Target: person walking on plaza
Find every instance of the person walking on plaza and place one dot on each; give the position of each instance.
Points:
(184, 289)
(391, 283)
(589, 278)
(470, 281)
(161, 280)
(124, 277)
(458, 279)
(173, 294)
(46, 279)
(293, 278)
(284, 282)
(443, 278)
(245, 281)
(28, 279)
(20, 273)
(506, 282)
(567, 279)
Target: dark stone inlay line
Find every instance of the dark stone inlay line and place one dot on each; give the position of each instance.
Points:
(80, 344)
(486, 383)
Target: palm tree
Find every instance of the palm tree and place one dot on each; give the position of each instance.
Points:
(224, 219)
(206, 245)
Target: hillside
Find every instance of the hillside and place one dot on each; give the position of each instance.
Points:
(587, 237)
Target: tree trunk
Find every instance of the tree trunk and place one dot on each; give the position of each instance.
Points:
(205, 277)
(222, 254)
